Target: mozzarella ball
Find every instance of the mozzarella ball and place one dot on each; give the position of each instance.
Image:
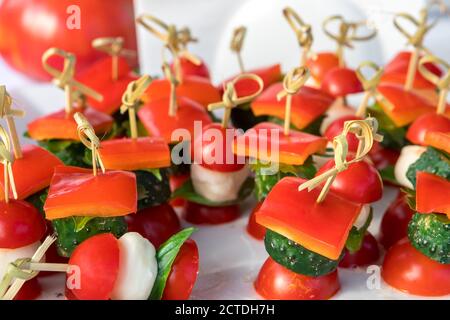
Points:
(408, 156)
(362, 217)
(138, 268)
(218, 186)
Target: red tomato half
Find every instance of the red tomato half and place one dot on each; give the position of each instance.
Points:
(254, 229)
(360, 183)
(214, 145)
(321, 64)
(157, 224)
(368, 254)
(336, 127)
(200, 214)
(394, 225)
(275, 282)
(98, 262)
(408, 270)
(29, 27)
(339, 82)
(20, 224)
(184, 273)
(429, 122)
(190, 69)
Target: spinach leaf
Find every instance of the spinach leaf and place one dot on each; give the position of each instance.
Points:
(165, 256)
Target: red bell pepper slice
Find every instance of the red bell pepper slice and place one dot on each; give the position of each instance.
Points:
(246, 87)
(340, 82)
(397, 69)
(406, 105)
(266, 141)
(77, 192)
(135, 154)
(99, 77)
(321, 64)
(32, 172)
(196, 88)
(432, 194)
(307, 104)
(320, 227)
(59, 125)
(439, 140)
(428, 122)
(156, 120)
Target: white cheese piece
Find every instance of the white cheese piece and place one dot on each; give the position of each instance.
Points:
(138, 268)
(362, 217)
(408, 156)
(218, 186)
(10, 255)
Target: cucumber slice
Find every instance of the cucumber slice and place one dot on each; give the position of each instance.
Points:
(296, 258)
(430, 234)
(432, 161)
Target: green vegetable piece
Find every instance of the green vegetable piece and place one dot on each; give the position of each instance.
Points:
(38, 200)
(71, 153)
(432, 161)
(393, 136)
(430, 234)
(153, 187)
(356, 236)
(297, 258)
(165, 256)
(74, 230)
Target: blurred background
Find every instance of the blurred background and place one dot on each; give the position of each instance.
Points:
(29, 27)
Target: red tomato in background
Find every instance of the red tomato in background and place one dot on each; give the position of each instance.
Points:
(321, 64)
(394, 225)
(156, 224)
(427, 123)
(408, 270)
(29, 291)
(275, 282)
(335, 128)
(383, 157)
(254, 229)
(368, 254)
(29, 27)
(175, 182)
(184, 273)
(339, 82)
(200, 214)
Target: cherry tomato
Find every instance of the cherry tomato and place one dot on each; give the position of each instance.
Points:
(175, 182)
(157, 224)
(254, 229)
(368, 254)
(394, 225)
(190, 69)
(29, 27)
(98, 261)
(184, 273)
(20, 224)
(200, 214)
(428, 122)
(408, 270)
(275, 282)
(29, 291)
(321, 64)
(360, 183)
(336, 127)
(383, 157)
(213, 148)
(339, 82)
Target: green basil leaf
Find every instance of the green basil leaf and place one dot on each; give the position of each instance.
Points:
(187, 192)
(356, 236)
(165, 256)
(388, 174)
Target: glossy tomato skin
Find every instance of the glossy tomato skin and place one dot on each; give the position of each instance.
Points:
(215, 143)
(383, 157)
(335, 128)
(360, 183)
(98, 261)
(321, 64)
(29, 27)
(30, 290)
(427, 123)
(275, 282)
(368, 254)
(156, 224)
(254, 229)
(394, 225)
(190, 69)
(20, 224)
(184, 273)
(408, 270)
(200, 214)
(339, 82)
